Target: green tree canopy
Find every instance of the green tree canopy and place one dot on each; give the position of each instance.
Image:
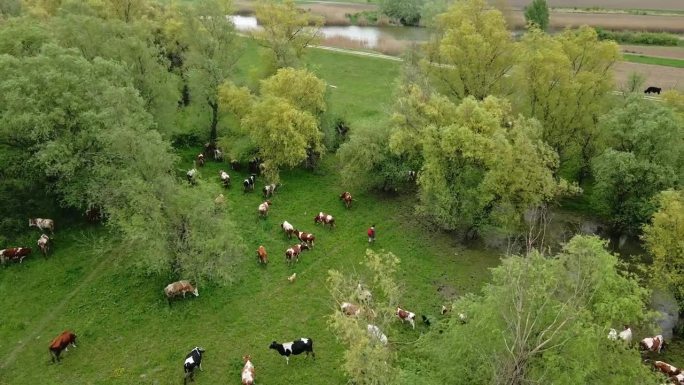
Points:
(537, 13)
(543, 318)
(406, 11)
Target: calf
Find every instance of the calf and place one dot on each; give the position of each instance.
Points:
(325, 219)
(269, 189)
(262, 255)
(288, 229)
(60, 343)
(44, 244)
(179, 288)
(294, 251)
(263, 208)
(247, 371)
(666, 368)
(249, 183)
(294, 348)
(375, 332)
(191, 175)
(655, 344)
(306, 238)
(652, 89)
(292, 278)
(405, 315)
(346, 197)
(225, 178)
(350, 309)
(14, 254)
(200, 160)
(192, 360)
(42, 224)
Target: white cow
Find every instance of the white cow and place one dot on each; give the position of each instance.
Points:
(375, 332)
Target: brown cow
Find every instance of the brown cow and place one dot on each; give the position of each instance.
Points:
(405, 315)
(262, 255)
(350, 309)
(666, 368)
(44, 244)
(179, 288)
(655, 344)
(42, 224)
(14, 253)
(247, 371)
(60, 343)
(346, 197)
(325, 219)
(294, 251)
(306, 237)
(200, 160)
(263, 208)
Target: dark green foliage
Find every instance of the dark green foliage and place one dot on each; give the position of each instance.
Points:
(645, 38)
(407, 12)
(537, 13)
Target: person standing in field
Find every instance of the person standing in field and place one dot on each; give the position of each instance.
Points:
(371, 234)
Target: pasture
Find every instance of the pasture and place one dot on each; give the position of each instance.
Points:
(128, 334)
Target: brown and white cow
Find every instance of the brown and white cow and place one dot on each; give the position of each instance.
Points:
(60, 343)
(350, 309)
(405, 315)
(200, 160)
(263, 208)
(179, 288)
(346, 197)
(288, 229)
(667, 369)
(42, 223)
(247, 371)
(262, 255)
(655, 344)
(14, 254)
(308, 238)
(44, 244)
(294, 251)
(225, 178)
(325, 219)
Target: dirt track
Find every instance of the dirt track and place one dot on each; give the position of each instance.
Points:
(668, 52)
(658, 76)
(608, 4)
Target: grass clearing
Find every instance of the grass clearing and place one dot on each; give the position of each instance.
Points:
(661, 61)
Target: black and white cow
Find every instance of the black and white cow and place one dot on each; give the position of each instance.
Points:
(294, 348)
(192, 360)
(249, 183)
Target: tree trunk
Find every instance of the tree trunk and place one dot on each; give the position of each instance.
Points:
(213, 134)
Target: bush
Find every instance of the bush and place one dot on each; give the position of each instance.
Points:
(645, 38)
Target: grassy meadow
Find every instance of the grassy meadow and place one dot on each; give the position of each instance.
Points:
(128, 334)
(662, 61)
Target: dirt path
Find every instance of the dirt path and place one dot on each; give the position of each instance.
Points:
(50, 316)
(666, 52)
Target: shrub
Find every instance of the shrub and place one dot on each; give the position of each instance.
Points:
(645, 38)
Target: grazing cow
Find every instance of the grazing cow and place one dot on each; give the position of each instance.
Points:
(192, 360)
(218, 155)
(678, 379)
(626, 335)
(255, 165)
(294, 348)
(14, 254)
(306, 237)
(375, 332)
(60, 343)
(666, 368)
(325, 219)
(247, 371)
(191, 175)
(462, 317)
(249, 183)
(200, 160)
(405, 315)
(288, 229)
(269, 189)
(179, 288)
(234, 165)
(426, 320)
(292, 277)
(42, 224)
(346, 197)
(225, 178)
(262, 255)
(93, 214)
(350, 309)
(444, 310)
(652, 89)
(263, 208)
(294, 251)
(364, 295)
(44, 244)
(209, 148)
(412, 175)
(655, 344)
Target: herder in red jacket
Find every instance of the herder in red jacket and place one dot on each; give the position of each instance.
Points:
(371, 234)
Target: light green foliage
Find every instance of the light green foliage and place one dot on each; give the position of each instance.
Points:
(9, 8)
(537, 13)
(664, 238)
(239, 101)
(300, 87)
(366, 360)
(471, 52)
(485, 167)
(645, 156)
(285, 33)
(564, 81)
(23, 37)
(543, 318)
(406, 11)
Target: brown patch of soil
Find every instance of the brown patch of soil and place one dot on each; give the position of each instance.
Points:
(647, 50)
(608, 4)
(658, 76)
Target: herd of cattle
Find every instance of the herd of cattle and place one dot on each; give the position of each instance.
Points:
(193, 359)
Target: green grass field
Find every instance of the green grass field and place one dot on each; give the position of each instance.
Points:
(661, 61)
(128, 334)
